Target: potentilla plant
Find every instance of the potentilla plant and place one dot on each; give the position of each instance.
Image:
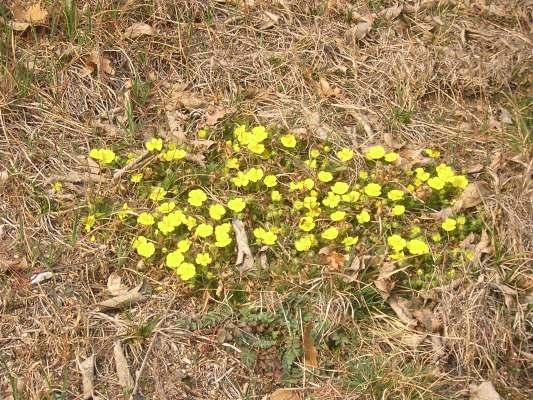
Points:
(294, 196)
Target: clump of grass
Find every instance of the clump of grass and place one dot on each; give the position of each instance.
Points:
(296, 196)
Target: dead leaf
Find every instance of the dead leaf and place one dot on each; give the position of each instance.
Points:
(269, 20)
(482, 247)
(175, 123)
(391, 142)
(438, 347)
(310, 352)
(214, 114)
(138, 29)
(384, 283)
(484, 391)
(131, 297)
(125, 379)
(3, 176)
(24, 18)
(400, 306)
(315, 124)
(325, 89)
(245, 259)
(474, 168)
(472, 196)
(182, 98)
(115, 286)
(410, 157)
(413, 340)
(41, 277)
(96, 62)
(428, 320)
(358, 32)
(332, 258)
(391, 13)
(87, 375)
(285, 394)
(509, 294)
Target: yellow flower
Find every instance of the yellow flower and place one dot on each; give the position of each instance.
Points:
(217, 211)
(345, 154)
(136, 178)
(298, 204)
(202, 133)
(186, 271)
(166, 207)
(308, 183)
(57, 186)
(124, 211)
(254, 174)
(436, 237)
(398, 210)
(222, 230)
(445, 172)
(145, 218)
(432, 153)
(174, 259)
(256, 148)
(259, 133)
(375, 152)
(190, 221)
(436, 183)
(154, 144)
(275, 195)
(459, 181)
(415, 230)
(363, 175)
(293, 186)
(306, 224)
(372, 190)
(237, 204)
(174, 154)
(241, 180)
(204, 230)
(330, 233)
(395, 195)
(143, 247)
(310, 164)
(176, 218)
(288, 140)
(105, 156)
(337, 216)
(232, 163)
(449, 224)
(157, 193)
(270, 181)
(203, 259)
(196, 197)
(166, 226)
(332, 200)
(183, 245)
(351, 197)
(391, 157)
(304, 243)
(324, 176)
(421, 174)
(239, 132)
(90, 220)
(417, 247)
(222, 241)
(396, 242)
(310, 202)
(363, 217)
(350, 241)
(461, 220)
(340, 187)
(314, 153)
(266, 237)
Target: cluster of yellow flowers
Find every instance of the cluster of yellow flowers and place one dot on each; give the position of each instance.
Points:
(293, 193)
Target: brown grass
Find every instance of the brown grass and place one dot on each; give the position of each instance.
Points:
(444, 73)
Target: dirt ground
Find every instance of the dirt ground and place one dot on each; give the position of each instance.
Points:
(447, 74)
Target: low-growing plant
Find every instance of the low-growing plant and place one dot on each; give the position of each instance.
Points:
(296, 197)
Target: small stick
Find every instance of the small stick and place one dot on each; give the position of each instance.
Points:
(244, 255)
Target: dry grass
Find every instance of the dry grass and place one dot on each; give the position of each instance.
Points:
(446, 73)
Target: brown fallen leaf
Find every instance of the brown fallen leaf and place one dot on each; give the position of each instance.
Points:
(427, 318)
(310, 352)
(31, 16)
(391, 141)
(214, 114)
(400, 306)
(384, 283)
(358, 32)
(96, 62)
(138, 29)
(175, 121)
(115, 286)
(325, 89)
(125, 379)
(87, 377)
(245, 259)
(131, 297)
(472, 196)
(413, 340)
(437, 345)
(484, 246)
(391, 13)
(410, 157)
(332, 258)
(285, 394)
(484, 391)
(509, 294)
(4, 175)
(269, 20)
